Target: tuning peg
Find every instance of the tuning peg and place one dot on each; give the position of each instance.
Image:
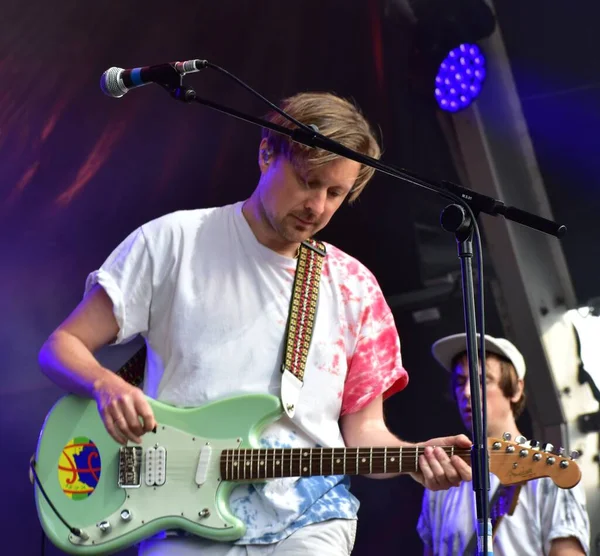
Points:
(548, 447)
(575, 454)
(560, 451)
(507, 436)
(521, 440)
(534, 444)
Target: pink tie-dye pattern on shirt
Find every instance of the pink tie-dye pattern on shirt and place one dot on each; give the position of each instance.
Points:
(375, 366)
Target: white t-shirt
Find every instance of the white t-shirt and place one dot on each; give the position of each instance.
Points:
(544, 512)
(212, 304)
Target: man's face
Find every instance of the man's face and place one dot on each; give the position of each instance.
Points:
(295, 207)
(499, 411)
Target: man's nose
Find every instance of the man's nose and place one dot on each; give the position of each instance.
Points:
(316, 201)
(465, 390)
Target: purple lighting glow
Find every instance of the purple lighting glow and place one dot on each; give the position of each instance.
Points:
(460, 77)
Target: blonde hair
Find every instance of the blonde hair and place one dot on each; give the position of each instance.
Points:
(336, 118)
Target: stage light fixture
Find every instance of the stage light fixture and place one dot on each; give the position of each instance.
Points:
(460, 77)
(447, 63)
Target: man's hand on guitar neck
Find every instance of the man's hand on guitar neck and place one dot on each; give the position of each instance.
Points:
(121, 406)
(437, 470)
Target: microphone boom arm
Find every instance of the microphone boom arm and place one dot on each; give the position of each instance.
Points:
(305, 135)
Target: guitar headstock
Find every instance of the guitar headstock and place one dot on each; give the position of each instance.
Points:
(519, 461)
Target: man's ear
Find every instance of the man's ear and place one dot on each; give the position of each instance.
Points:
(519, 391)
(265, 155)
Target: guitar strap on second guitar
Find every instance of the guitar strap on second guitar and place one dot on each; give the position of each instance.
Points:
(503, 502)
(303, 309)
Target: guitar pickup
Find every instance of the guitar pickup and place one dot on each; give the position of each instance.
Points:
(130, 465)
(155, 466)
(203, 464)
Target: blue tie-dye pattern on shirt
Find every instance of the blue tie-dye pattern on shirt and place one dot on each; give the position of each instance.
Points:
(273, 510)
(320, 499)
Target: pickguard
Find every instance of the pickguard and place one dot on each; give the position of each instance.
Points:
(178, 503)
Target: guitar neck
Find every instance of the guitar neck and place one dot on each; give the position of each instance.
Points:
(270, 463)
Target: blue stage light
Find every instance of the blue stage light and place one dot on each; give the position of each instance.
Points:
(460, 78)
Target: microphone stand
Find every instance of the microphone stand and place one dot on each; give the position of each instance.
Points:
(455, 219)
(459, 218)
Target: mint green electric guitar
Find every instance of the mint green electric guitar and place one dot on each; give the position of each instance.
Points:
(95, 496)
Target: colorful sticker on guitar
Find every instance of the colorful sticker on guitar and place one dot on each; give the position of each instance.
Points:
(79, 468)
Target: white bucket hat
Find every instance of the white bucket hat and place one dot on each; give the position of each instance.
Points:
(446, 349)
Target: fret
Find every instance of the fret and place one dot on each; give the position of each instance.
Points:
(257, 464)
(321, 465)
(451, 451)
(345, 454)
(263, 463)
(385, 460)
(332, 460)
(357, 464)
(266, 463)
(226, 465)
(291, 459)
(274, 454)
(371, 460)
(300, 466)
(281, 463)
(238, 464)
(417, 458)
(244, 464)
(310, 465)
(400, 460)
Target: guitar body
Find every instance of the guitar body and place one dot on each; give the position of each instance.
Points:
(77, 463)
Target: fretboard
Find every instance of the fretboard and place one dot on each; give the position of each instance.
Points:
(270, 463)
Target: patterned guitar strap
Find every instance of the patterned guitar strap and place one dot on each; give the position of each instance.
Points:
(303, 308)
(133, 370)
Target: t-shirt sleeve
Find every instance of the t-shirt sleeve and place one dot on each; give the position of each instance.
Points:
(564, 515)
(375, 367)
(126, 276)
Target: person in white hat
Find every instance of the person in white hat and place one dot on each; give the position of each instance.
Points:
(547, 520)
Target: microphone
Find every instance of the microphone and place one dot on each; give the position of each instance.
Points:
(115, 82)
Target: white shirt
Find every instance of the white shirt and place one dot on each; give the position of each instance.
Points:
(212, 303)
(544, 512)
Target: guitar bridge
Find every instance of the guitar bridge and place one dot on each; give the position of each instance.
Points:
(130, 465)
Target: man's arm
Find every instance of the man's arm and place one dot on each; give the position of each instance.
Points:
(67, 359)
(564, 521)
(566, 547)
(367, 427)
